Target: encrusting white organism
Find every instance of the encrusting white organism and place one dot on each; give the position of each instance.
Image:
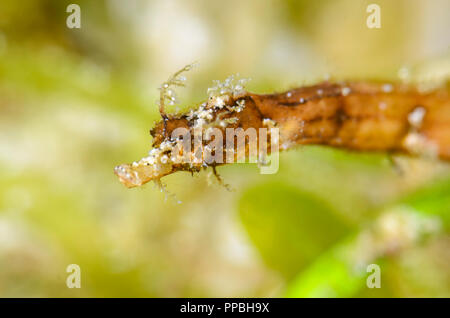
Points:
(415, 118)
(158, 163)
(414, 141)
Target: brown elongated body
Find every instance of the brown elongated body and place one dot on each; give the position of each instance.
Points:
(360, 116)
(356, 116)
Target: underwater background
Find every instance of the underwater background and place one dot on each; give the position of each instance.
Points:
(74, 103)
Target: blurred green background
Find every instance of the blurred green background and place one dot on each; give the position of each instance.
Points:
(76, 102)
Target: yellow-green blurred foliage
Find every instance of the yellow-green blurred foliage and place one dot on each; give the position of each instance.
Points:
(76, 102)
